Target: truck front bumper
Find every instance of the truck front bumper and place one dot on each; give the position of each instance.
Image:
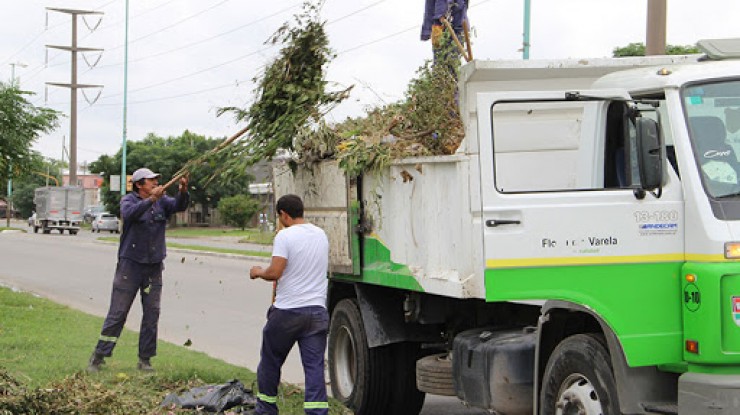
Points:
(700, 394)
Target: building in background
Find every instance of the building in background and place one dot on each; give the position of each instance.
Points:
(91, 183)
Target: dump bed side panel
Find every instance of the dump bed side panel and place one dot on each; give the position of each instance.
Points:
(423, 221)
(326, 196)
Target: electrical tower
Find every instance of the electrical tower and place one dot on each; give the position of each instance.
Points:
(73, 86)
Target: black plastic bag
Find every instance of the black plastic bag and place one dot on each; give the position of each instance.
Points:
(213, 398)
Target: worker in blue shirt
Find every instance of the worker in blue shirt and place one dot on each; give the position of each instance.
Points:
(455, 11)
(141, 252)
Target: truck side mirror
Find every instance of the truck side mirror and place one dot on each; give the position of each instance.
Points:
(649, 155)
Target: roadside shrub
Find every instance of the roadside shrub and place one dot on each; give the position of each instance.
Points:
(238, 210)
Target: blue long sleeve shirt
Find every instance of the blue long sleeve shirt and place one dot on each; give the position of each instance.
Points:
(435, 9)
(144, 224)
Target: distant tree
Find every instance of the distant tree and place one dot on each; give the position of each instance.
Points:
(238, 210)
(166, 156)
(21, 123)
(638, 49)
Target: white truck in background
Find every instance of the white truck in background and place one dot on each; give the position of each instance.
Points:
(58, 208)
(579, 254)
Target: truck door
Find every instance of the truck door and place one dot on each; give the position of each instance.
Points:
(561, 219)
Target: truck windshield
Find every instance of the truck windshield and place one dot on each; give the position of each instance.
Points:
(713, 116)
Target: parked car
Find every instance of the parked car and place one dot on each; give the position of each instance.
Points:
(105, 222)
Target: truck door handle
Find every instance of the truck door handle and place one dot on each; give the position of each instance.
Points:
(492, 223)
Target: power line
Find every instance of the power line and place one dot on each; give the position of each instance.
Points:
(355, 12)
(240, 57)
(40, 68)
(345, 51)
(173, 24)
(253, 22)
(186, 94)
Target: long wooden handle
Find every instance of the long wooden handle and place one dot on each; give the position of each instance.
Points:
(466, 31)
(186, 168)
(457, 41)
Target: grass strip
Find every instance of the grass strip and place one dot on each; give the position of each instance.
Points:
(46, 347)
(244, 252)
(247, 235)
(220, 250)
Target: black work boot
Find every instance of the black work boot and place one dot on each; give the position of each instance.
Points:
(96, 360)
(144, 365)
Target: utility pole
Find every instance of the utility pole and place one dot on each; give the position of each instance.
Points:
(73, 86)
(13, 79)
(656, 28)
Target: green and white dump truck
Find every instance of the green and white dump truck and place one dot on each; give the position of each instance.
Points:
(577, 255)
(58, 208)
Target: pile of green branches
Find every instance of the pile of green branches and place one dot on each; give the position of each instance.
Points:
(79, 394)
(426, 122)
(292, 100)
(292, 92)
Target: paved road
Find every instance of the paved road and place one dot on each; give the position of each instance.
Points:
(207, 299)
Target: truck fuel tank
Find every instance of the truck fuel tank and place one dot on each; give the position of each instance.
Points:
(494, 369)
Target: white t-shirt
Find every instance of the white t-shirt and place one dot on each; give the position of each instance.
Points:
(304, 280)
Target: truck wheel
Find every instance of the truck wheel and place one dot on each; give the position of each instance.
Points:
(406, 398)
(72, 232)
(46, 230)
(359, 375)
(579, 379)
(434, 375)
(35, 229)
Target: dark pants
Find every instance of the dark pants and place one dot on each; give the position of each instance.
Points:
(308, 326)
(132, 277)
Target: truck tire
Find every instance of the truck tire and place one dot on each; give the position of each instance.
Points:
(35, 229)
(579, 378)
(406, 398)
(72, 232)
(434, 375)
(358, 374)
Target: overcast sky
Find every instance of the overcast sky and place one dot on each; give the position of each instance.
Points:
(189, 57)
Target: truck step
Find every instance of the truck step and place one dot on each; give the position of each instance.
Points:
(662, 408)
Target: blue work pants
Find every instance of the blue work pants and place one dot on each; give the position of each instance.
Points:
(309, 327)
(132, 277)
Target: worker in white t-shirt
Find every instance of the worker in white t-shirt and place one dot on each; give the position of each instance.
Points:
(300, 261)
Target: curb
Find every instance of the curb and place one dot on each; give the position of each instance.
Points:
(206, 253)
(220, 254)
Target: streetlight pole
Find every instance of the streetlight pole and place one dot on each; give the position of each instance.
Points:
(9, 199)
(125, 107)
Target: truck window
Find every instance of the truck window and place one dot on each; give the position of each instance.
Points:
(712, 114)
(548, 146)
